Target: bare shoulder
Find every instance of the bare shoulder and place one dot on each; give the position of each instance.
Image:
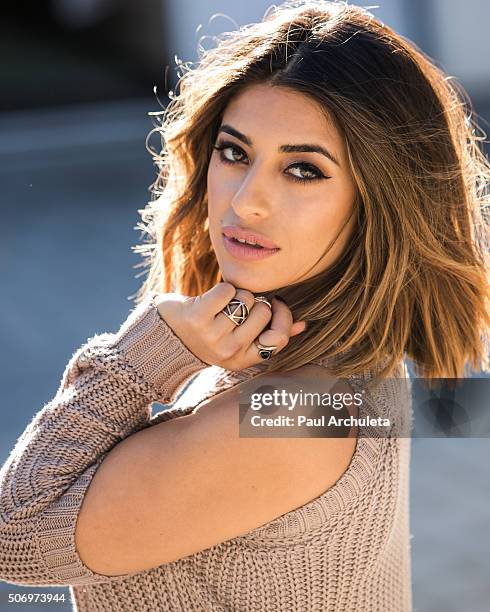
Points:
(184, 485)
(222, 412)
(290, 471)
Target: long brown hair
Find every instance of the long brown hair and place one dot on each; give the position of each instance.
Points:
(414, 279)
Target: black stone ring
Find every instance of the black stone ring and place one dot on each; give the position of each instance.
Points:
(265, 352)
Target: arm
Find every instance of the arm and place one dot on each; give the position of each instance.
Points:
(105, 395)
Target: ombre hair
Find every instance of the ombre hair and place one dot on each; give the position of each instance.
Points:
(413, 280)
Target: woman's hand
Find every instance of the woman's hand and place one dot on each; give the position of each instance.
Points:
(214, 338)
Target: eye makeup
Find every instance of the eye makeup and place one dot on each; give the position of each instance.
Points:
(315, 174)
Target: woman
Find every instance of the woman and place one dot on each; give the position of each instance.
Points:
(337, 147)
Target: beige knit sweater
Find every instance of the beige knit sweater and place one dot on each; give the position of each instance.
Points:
(345, 551)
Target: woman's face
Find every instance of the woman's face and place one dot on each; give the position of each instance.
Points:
(266, 179)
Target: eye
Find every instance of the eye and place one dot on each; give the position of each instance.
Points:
(232, 154)
(314, 173)
(224, 146)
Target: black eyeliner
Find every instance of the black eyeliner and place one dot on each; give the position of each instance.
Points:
(221, 145)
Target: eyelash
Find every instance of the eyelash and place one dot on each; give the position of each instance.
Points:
(221, 146)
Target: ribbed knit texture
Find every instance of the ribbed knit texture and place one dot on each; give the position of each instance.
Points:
(348, 550)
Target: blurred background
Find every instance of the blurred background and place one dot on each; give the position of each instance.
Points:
(78, 78)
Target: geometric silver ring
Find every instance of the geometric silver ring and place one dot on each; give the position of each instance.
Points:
(237, 311)
(261, 298)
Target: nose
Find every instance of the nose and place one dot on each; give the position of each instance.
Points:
(253, 196)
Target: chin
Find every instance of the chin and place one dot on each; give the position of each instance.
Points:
(246, 280)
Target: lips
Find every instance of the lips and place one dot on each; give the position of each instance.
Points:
(233, 231)
(245, 252)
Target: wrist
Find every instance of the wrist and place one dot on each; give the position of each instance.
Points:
(152, 348)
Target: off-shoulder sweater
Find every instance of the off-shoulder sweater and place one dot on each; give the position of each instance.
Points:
(348, 550)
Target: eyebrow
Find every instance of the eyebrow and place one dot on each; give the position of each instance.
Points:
(289, 148)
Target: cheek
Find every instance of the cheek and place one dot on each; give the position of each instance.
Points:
(216, 194)
(315, 226)
(308, 224)
(216, 199)
(210, 186)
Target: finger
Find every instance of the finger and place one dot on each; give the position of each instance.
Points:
(298, 328)
(252, 355)
(257, 321)
(278, 336)
(223, 325)
(210, 303)
(281, 323)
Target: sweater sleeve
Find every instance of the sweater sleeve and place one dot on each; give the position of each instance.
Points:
(105, 395)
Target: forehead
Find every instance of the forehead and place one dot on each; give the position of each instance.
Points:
(263, 111)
